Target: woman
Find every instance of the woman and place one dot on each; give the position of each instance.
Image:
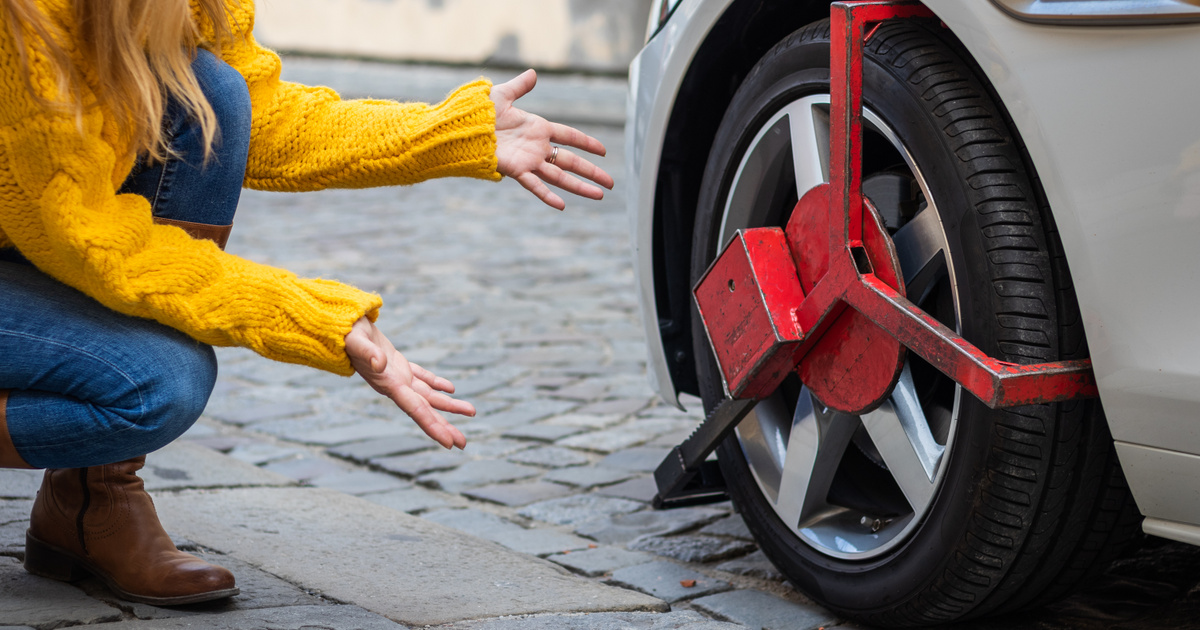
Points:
(127, 129)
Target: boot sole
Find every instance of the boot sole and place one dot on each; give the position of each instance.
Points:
(48, 561)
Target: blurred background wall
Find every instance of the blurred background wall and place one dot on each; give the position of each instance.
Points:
(570, 35)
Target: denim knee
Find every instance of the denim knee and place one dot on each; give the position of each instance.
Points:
(175, 393)
(227, 93)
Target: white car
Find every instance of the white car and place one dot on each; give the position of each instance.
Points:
(1037, 165)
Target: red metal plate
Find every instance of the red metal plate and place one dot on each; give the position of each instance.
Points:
(747, 300)
(855, 363)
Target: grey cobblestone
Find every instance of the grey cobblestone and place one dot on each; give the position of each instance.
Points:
(421, 463)
(761, 610)
(550, 457)
(692, 548)
(477, 473)
(587, 476)
(666, 581)
(518, 494)
(576, 509)
(599, 561)
(363, 452)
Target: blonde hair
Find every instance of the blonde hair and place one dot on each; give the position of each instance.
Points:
(140, 52)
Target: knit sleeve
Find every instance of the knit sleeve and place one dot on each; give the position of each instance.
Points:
(306, 138)
(62, 212)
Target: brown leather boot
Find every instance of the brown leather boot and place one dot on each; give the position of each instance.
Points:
(100, 520)
(9, 457)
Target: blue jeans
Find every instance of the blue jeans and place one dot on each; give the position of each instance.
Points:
(91, 386)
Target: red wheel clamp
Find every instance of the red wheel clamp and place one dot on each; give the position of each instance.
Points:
(825, 298)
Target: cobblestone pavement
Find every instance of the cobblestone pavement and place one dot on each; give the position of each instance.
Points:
(532, 313)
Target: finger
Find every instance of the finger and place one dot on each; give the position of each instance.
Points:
(442, 402)
(554, 175)
(518, 86)
(437, 382)
(570, 162)
(573, 137)
(430, 421)
(534, 184)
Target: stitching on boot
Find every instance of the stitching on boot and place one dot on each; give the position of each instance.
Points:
(87, 499)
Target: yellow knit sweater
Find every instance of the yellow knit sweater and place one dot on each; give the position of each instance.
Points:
(59, 207)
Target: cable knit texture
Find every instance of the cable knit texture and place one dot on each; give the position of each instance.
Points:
(59, 207)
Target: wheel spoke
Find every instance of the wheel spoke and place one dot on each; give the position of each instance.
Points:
(920, 246)
(809, 125)
(902, 436)
(815, 446)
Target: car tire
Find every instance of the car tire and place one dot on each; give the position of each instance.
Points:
(1029, 502)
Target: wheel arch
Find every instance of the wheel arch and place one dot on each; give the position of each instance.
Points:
(743, 33)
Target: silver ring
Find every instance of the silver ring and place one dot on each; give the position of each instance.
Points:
(553, 156)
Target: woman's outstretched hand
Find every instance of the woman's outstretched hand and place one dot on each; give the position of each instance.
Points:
(524, 151)
(414, 389)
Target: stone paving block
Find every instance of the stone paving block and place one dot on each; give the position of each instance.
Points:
(28, 600)
(477, 473)
(472, 359)
(623, 528)
(493, 448)
(639, 489)
(200, 430)
(548, 382)
(262, 412)
(608, 440)
(638, 459)
(420, 463)
(620, 406)
(409, 500)
(584, 421)
(518, 494)
(474, 522)
(222, 443)
(677, 620)
(286, 618)
(445, 576)
(343, 434)
(601, 560)
(582, 508)
(472, 386)
(540, 357)
(587, 476)
(755, 565)
(664, 580)
(188, 465)
(14, 510)
(259, 589)
(305, 468)
(359, 482)
(287, 428)
(733, 526)
(381, 447)
(550, 457)
(763, 610)
(19, 484)
(522, 413)
(585, 390)
(539, 542)
(541, 432)
(692, 548)
(258, 453)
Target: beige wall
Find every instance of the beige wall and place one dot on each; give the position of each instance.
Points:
(597, 35)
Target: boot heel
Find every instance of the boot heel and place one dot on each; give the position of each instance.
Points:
(46, 561)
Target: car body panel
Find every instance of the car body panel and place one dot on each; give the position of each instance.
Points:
(654, 78)
(1108, 117)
